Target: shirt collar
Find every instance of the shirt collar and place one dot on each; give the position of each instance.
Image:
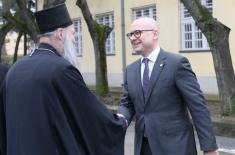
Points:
(47, 46)
(153, 55)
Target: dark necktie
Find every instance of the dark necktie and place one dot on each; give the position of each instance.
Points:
(145, 76)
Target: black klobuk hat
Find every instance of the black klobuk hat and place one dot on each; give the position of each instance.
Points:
(52, 18)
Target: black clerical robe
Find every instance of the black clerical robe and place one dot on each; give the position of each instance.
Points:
(50, 111)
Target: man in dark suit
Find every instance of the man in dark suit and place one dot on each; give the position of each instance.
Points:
(48, 108)
(159, 88)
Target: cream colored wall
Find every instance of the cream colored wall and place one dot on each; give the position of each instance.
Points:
(87, 61)
(168, 20)
(40, 4)
(168, 16)
(224, 12)
(10, 44)
(202, 63)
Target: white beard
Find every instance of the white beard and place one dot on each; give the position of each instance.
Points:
(69, 51)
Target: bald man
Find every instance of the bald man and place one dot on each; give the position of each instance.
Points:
(159, 89)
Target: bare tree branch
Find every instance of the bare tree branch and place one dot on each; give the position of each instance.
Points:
(17, 46)
(28, 19)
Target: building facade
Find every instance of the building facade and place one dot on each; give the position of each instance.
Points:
(1, 20)
(178, 34)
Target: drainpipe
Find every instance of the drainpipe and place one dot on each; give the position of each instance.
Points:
(123, 36)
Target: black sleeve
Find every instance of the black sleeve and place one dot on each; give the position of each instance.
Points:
(99, 128)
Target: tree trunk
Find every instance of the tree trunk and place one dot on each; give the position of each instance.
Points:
(17, 47)
(25, 44)
(27, 17)
(22, 19)
(99, 34)
(217, 35)
(223, 69)
(101, 64)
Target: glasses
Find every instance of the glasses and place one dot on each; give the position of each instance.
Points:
(136, 33)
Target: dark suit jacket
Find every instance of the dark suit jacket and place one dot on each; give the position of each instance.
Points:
(50, 111)
(163, 116)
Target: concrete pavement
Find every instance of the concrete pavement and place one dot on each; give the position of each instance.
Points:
(226, 145)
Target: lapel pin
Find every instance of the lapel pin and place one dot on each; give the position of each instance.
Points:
(161, 65)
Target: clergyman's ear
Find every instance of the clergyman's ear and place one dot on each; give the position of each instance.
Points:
(59, 34)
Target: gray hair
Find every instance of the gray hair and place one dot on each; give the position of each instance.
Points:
(69, 50)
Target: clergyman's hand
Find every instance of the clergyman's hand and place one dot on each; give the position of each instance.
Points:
(121, 116)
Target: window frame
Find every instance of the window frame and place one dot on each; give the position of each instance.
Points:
(151, 8)
(78, 37)
(108, 20)
(191, 37)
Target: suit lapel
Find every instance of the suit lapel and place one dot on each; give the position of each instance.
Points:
(157, 69)
(138, 80)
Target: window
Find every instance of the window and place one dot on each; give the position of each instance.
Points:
(78, 36)
(108, 20)
(1, 19)
(191, 36)
(32, 5)
(144, 12)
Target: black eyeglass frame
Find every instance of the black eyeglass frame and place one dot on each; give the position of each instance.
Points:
(136, 33)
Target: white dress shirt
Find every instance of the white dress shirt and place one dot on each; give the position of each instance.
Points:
(152, 58)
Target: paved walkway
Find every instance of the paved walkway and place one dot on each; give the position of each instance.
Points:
(226, 145)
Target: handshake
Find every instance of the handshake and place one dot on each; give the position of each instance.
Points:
(123, 118)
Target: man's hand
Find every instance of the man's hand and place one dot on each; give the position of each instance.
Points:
(211, 152)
